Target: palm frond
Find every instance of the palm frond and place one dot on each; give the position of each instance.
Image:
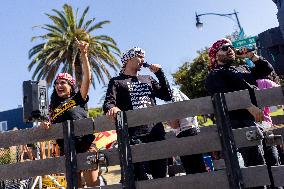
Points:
(53, 29)
(104, 38)
(36, 49)
(97, 26)
(83, 17)
(70, 17)
(58, 22)
(62, 16)
(86, 25)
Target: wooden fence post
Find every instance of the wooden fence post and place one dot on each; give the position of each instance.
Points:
(127, 168)
(70, 155)
(229, 149)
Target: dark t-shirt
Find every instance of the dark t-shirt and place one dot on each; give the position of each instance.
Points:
(73, 108)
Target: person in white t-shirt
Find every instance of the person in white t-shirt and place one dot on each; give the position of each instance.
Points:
(183, 128)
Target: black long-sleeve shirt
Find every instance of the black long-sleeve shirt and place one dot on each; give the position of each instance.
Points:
(135, 92)
(226, 78)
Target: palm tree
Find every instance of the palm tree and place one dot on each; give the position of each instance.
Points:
(59, 52)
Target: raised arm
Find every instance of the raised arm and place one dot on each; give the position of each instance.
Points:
(86, 78)
(262, 67)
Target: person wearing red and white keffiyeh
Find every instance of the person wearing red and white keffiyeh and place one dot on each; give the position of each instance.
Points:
(224, 78)
(67, 103)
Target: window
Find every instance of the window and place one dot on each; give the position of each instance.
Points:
(3, 126)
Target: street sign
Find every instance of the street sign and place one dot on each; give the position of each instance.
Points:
(245, 42)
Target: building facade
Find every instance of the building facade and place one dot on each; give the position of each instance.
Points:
(11, 119)
(271, 42)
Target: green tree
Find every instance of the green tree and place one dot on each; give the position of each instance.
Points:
(191, 75)
(59, 52)
(95, 112)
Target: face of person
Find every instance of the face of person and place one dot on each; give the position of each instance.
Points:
(63, 88)
(225, 54)
(136, 63)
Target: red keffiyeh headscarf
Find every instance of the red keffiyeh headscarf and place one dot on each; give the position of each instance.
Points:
(213, 51)
(66, 76)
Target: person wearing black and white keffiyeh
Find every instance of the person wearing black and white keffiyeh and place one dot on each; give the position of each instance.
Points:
(130, 91)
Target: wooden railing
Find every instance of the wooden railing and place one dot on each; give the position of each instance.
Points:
(207, 140)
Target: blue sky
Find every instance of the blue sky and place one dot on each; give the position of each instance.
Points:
(164, 28)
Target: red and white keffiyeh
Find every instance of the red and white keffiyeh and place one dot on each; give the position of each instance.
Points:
(213, 51)
(66, 76)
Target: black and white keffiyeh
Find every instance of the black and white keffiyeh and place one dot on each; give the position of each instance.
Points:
(131, 53)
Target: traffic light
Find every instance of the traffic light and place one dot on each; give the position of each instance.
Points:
(35, 101)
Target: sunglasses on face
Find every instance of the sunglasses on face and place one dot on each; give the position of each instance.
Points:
(226, 47)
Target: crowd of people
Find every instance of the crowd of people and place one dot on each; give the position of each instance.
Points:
(130, 90)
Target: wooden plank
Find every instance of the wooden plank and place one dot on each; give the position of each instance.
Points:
(84, 126)
(35, 134)
(208, 137)
(278, 174)
(112, 157)
(197, 106)
(52, 165)
(238, 100)
(103, 123)
(240, 137)
(255, 176)
(269, 97)
(32, 168)
(90, 125)
(32, 135)
(216, 179)
(201, 143)
(183, 109)
(276, 120)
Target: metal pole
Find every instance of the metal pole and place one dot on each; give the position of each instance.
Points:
(237, 18)
(127, 168)
(70, 155)
(217, 14)
(38, 157)
(229, 149)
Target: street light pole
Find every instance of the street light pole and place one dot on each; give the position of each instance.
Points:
(199, 24)
(237, 18)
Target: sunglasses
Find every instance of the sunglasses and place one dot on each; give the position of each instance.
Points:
(226, 47)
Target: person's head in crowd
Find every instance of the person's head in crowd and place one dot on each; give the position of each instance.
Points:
(221, 53)
(63, 88)
(132, 60)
